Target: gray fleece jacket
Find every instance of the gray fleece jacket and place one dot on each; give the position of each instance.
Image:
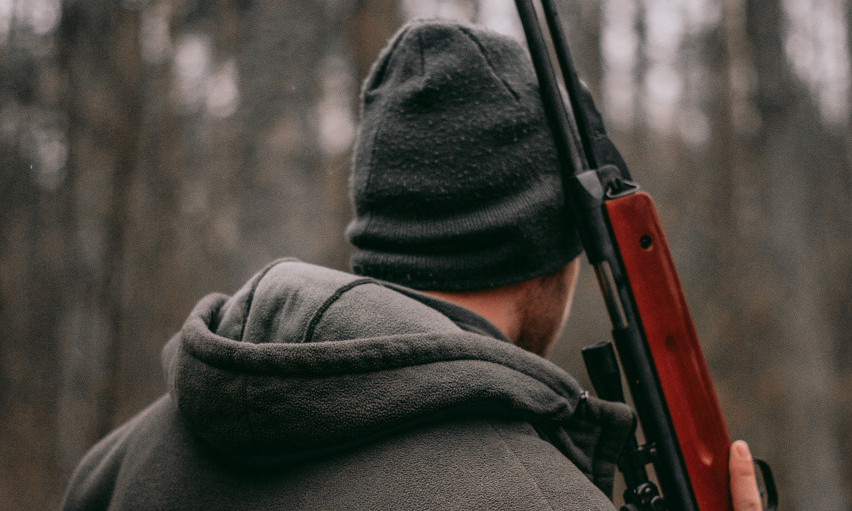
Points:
(315, 389)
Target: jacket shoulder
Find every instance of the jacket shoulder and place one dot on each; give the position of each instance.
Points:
(93, 482)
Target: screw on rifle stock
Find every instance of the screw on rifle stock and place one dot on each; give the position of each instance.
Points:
(646, 242)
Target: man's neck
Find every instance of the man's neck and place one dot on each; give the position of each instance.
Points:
(497, 305)
(530, 313)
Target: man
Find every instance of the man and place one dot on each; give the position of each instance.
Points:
(407, 386)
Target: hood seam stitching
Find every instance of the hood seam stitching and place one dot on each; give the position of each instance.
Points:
(318, 314)
(250, 298)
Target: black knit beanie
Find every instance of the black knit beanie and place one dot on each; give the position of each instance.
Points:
(455, 179)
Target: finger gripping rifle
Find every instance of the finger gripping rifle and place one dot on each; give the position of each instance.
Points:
(685, 434)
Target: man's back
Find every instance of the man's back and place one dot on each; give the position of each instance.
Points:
(316, 389)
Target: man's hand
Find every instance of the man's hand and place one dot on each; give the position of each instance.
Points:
(744, 493)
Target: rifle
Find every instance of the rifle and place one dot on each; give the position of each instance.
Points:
(685, 434)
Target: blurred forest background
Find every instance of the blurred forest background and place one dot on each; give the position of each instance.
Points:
(152, 151)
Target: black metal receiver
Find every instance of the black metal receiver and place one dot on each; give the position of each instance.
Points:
(652, 330)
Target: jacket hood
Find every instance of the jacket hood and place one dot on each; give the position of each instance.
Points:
(305, 359)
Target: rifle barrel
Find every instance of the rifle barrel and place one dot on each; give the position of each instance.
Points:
(559, 114)
(570, 78)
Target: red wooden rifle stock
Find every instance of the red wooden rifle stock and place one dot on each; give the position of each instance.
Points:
(687, 440)
(673, 344)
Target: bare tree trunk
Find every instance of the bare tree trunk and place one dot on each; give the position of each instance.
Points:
(34, 270)
(102, 59)
(154, 267)
(795, 152)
